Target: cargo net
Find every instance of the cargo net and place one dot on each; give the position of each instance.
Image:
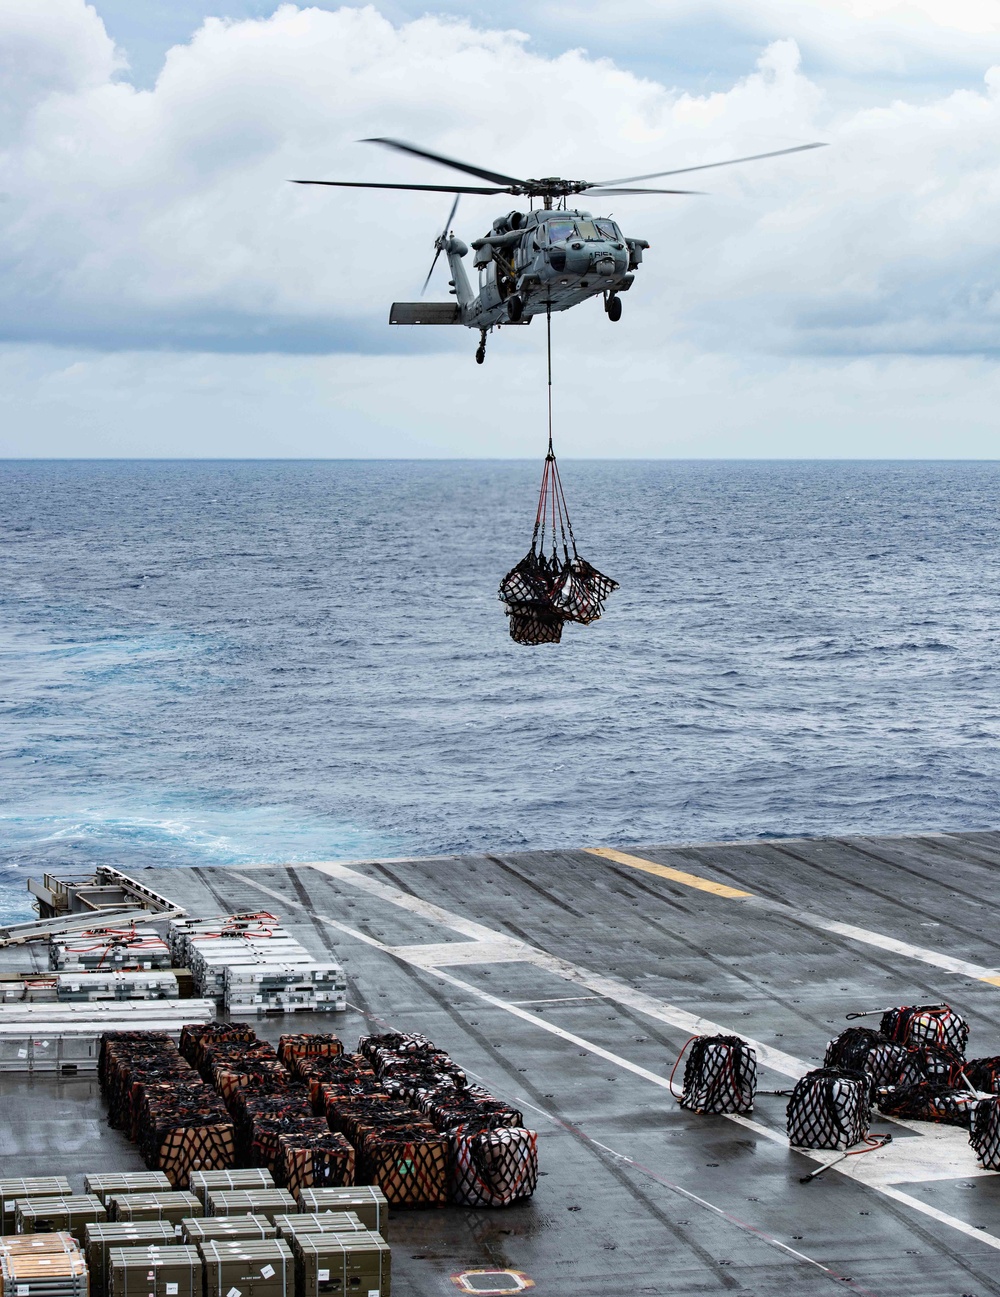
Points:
(983, 1074)
(929, 1101)
(291, 1048)
(409, 1163)
(493, 1168)
(720, 1075)
(859, 1049)
(984, 1133)
(552, 584)
(927, 1024)
(321, 1161)
(199, 1036)
(829, 1108)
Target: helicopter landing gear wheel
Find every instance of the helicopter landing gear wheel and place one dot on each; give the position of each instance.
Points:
(481, 349)
(613, 306)
(515, 309)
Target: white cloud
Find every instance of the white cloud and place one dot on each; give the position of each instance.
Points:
(162, 219)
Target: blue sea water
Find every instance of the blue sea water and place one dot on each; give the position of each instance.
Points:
(224, 662)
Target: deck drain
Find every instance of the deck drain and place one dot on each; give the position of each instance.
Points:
(492, 1283)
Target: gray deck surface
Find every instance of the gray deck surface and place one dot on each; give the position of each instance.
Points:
(580, 1025)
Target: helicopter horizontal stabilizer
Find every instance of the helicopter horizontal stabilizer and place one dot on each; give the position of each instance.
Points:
(425, 313)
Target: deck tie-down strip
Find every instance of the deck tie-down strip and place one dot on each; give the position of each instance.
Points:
(960, 967)
(621, 993)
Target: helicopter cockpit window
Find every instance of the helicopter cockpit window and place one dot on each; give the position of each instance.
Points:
(559, 230)
(588, 230)
(608, 229)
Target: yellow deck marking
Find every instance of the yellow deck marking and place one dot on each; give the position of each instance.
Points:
(664, 871)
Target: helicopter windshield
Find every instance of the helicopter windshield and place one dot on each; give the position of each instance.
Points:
(558, 230)
(608, 229)
(588, 230)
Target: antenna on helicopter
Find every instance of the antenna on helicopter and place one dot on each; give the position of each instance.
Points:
(440, 241)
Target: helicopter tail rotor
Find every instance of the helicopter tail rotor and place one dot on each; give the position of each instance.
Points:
(440, 241)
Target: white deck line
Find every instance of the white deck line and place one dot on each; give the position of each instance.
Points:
(618, 992)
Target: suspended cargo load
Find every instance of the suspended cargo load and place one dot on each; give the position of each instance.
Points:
(552, 584)
(100, 1238)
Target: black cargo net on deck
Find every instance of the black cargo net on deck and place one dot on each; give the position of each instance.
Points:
(720, 1075)
(552, 584)
(985, 1133)
(830, 1108)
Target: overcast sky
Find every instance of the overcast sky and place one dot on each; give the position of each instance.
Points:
(166, 292)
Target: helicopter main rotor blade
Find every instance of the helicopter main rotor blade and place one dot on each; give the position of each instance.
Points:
(402, 147)
(604, 190)
(707, 166)
(437, 189)
(451, 217)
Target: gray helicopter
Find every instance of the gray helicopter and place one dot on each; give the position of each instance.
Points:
(546, 259)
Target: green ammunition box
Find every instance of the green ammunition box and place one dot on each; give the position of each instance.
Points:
(33, 1186)
(323, 1222)
(100, 1238)
(154, 1272)
(71, 1213)
(154, 1206)
(248, 1268)
(115, 1182)
(225, 1227)
(255, 1202)
(366, 1200)
(251, 1177)
(342, 1265)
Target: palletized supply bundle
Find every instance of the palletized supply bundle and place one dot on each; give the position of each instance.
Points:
(261, 1118)
(250, 1177)
(291, 1047)
(829, 1108)
(179, 1121)
(262, 1268)
(42, 1265)
(367, 1201)
(13, 1188)
(552, 584)
(720, 1075)
(171, 1206)
(226, 1228)
(174, 1271)
(337, 1077)
(322, 1160)
(249, 1202)
(80, 987)
(70, 1215)
(100, 1238)
(252, 964)
(859, 1049)
(341, 1264)
(473, 1160)
(107, 949)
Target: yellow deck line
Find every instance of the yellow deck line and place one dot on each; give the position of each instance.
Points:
(664, 871)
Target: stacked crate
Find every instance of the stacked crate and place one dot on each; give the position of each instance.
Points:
(339, 1265)
(106, 1183)
(80, 987)
(252, 964)
(172, 1206)
(100, 1238)
(70, 1214)
(226, 1229)
(366, 1201)
(42, 1265)
(103, 950)
(261, 1268)
(174, 1271)
(35, 1186)
(249, 1202)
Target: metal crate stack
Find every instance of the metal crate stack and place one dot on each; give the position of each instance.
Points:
(226, 1229)
(100, 1238)
(366, 1201)
(70, 1215)
(155, 1272)
(169, 1206)
(104, 1184)
(80, 987)
(14, 1188)
(42, 1265)
(249, 1202)
(341, 1264)
(262, 1268)
(108, 949)
(252, 964)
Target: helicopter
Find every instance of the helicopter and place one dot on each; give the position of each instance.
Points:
(547, 259)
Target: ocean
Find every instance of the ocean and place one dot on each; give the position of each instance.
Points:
(219, 662)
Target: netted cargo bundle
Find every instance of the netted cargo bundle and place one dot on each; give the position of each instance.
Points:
(309, 1045)
(431, 1067)
(472, 1108)
(932, 1064)
(170, 1084)
(321, 1161)
(548, 587)
(355, 1117)
(121, 1044)
(720, 1075)
(829, 1108)
(493, 1168)
(397, 1042)
(927, 1024)
(179, 1135)
(332, 1067)
(249, 1105)
(984, 1133)
(224, 1053)
(414, 1086)
(859, 1049)
(124, 1073)
(408, 1163)
(983, 1074)
(929, 1101)
(262, 1076)
(196, 1037)
(265, 1142)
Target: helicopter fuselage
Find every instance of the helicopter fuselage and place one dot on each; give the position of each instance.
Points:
(530, 263)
